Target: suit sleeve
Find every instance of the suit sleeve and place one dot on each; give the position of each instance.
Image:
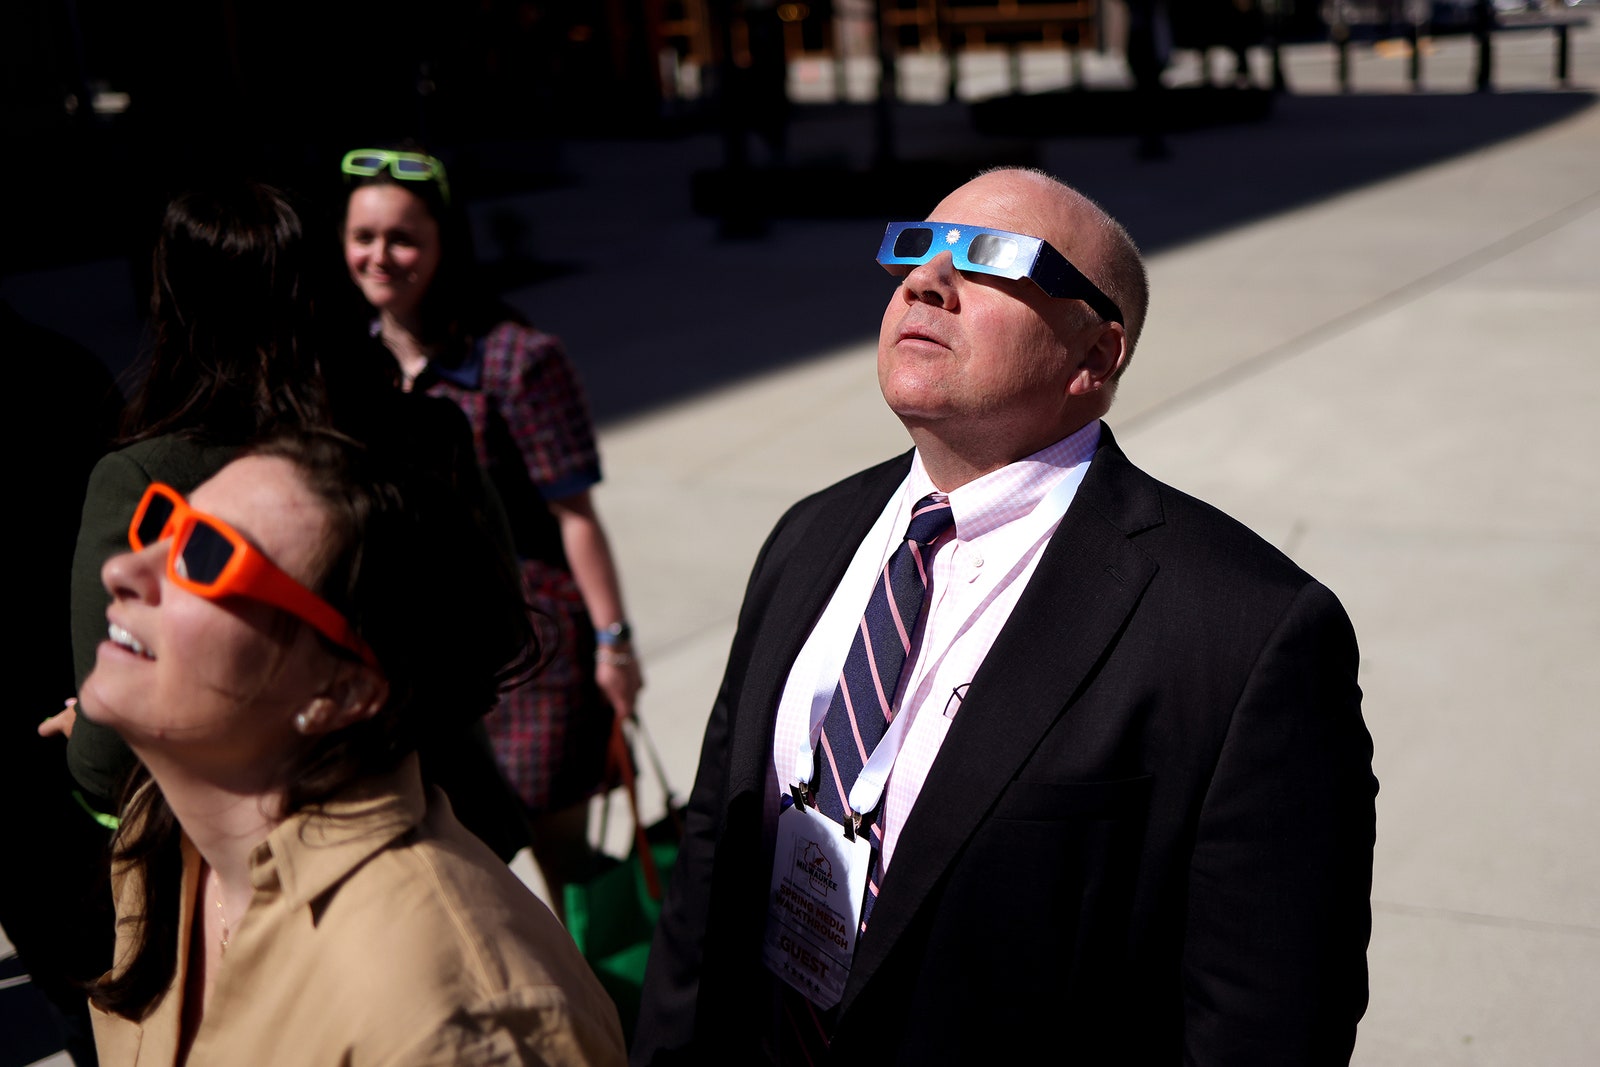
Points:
(665, 1029)
(1279, 914)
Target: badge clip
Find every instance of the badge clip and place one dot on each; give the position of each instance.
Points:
(802, 795)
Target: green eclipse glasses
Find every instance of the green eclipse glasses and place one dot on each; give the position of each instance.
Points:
(402, 166)
(981, 250)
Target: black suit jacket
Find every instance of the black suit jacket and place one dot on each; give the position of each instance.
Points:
(1147, 837)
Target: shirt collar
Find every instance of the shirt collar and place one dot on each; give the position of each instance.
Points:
(313, 850)
(985, 504)
(468, 374)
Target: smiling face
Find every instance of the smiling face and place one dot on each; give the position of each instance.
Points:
(217, 681)
(391, 247)
(988, 367)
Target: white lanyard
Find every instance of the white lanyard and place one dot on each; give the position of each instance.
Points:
(867, 791)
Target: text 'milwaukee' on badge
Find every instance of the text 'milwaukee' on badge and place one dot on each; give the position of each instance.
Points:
(818, 881)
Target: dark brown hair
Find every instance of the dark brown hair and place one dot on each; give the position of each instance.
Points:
(229, 315)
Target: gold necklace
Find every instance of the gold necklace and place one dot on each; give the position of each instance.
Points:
(222, 916)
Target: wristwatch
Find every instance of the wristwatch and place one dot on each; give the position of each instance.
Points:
(618, 633)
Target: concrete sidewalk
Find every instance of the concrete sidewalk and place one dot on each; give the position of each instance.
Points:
(1370, 314)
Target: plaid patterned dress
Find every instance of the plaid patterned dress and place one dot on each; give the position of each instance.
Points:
(534, 436)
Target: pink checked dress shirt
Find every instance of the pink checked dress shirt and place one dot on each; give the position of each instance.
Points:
(979, 571)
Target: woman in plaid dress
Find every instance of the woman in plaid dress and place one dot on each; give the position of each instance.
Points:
(407, 250)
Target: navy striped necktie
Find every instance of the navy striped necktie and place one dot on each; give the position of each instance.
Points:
(863, 703)
(857, 719)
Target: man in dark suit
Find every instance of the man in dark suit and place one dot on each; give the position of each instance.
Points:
(1128, 815)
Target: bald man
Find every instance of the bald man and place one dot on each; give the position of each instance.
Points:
(1077, 777)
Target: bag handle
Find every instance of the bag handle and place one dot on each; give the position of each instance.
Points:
(621, 761)
(668, 799)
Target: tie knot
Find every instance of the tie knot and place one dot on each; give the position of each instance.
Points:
(929, 519)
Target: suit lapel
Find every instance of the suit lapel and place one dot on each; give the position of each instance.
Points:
(807, 576)
(1087, 582)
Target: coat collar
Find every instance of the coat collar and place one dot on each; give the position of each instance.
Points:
(303, 857)
(468, 373)
(823, 544)
(313, 851)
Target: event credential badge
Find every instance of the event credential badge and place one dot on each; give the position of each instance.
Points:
(819, 878)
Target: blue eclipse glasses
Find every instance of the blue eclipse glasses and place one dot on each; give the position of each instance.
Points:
(1001, 253)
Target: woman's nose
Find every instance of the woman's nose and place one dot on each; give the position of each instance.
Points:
(933, 282)
(136, 575)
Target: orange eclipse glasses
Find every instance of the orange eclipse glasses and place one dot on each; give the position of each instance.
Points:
(209, 558)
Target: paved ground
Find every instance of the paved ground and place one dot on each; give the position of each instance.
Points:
(1375, 337)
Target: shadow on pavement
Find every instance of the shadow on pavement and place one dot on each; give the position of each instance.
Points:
(599, 241)
(663, 309)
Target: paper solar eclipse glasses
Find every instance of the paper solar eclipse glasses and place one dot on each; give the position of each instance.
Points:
(981, 250)
(402, 166)
(209, 558)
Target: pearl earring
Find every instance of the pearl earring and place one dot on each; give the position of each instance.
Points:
(302, 722)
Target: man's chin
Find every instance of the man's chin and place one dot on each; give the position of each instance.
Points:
(912, 396)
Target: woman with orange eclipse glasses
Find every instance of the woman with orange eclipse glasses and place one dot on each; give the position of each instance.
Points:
(287, 890)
